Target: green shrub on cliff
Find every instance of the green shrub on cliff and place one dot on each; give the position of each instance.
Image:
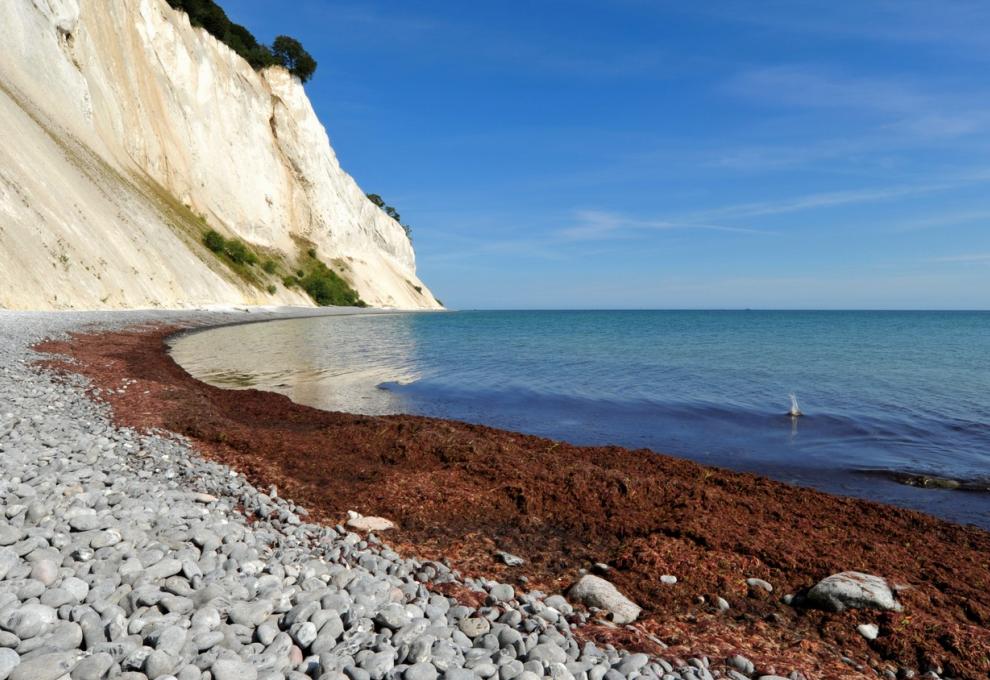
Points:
(290, 53)
(285, 51)
(326, 287)
(233, 249)
(214, 241)
(239, 253)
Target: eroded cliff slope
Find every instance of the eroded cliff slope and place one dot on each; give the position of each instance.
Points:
(125, 134)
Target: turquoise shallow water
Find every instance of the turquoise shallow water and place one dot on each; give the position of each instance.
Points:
(881, 391)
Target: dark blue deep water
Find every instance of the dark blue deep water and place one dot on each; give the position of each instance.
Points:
(882, 392)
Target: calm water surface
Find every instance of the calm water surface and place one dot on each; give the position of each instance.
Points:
(889, 391)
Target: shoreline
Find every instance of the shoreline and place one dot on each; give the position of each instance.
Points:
(128, 554)
(461, 491)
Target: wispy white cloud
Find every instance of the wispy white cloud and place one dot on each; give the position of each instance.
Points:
(900, 106)
(588, 225)
(820, 200)
(810, 86)
(946, 219)
(597, 225)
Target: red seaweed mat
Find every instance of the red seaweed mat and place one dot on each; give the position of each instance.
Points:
(462, 491)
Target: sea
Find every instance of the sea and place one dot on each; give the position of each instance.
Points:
(894, 405)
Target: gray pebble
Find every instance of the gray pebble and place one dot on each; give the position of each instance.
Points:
(93, 667)
(46, 667)
(233, 669)
(8, 661)
(420, 671)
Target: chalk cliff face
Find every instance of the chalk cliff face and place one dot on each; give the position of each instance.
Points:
(125, 133)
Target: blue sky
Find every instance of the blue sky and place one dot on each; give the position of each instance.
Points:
(638, 153)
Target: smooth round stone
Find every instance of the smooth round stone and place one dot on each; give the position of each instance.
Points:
(46, 666)
(77, 587)
(502, 592)
(631, 663)
(65, 636)
(56, 597)
(31, 588)
(171, 640)
(547, 653)
(303, 633)
(158, 664)
(8, 661)
(869, 630)
(759, 583)
(378, 665)
(392, 616)
(209, 618)
(93, 667)
(45, 571)
(32, 620)
(420, 671)
(741, 664)
(560, 603)
(510, 670)
(233, 669)
(465, 674)
(37, 511)
(84, 523)
(474, 627)
(668, 579)
(105, 539)
(10, 535)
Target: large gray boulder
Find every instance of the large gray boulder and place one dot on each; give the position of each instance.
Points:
(852, 590)
(592, 591)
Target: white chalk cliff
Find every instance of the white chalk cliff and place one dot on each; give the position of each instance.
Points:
(124, 132)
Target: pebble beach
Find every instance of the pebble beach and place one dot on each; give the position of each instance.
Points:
(134, 552)
(125, 554)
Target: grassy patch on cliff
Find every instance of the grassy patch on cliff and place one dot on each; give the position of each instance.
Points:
(325, 286)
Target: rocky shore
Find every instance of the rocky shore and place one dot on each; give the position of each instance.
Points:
(128, 551)
(126, 554)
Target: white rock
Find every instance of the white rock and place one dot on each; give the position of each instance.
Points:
(869, 630)
(593, 591)
(852, 590)
(759, 583)
(361, 523)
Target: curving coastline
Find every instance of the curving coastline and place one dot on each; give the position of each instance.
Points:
(462, 492)
(125, 554)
